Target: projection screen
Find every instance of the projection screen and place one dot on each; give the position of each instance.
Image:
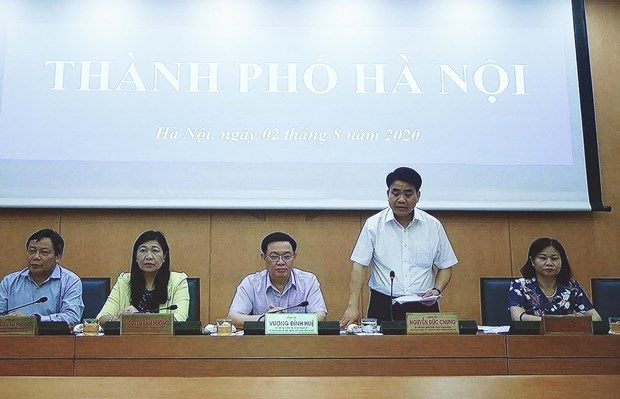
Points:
(296, 104)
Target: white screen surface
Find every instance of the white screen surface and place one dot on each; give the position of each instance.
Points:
(290, 104)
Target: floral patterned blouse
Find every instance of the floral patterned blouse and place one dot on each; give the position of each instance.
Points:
(568, 298)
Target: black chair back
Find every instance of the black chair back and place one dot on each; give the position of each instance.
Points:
(606, 297)
(494, 293)
(193, 284)
(95, 291)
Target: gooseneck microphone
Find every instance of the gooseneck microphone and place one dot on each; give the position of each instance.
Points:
(299, 305)
(171, 307)
(392, 275)
(40, 300)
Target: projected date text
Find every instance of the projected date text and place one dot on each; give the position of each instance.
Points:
(207, 135)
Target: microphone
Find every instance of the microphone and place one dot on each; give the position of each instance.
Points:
(171, 307)
(40, 300)
(301, 304)
(392, 275)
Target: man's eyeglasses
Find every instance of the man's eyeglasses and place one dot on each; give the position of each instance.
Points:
(286, 257)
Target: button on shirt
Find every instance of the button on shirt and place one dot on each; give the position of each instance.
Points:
(63, 290)
(256, 293)
(410, 252)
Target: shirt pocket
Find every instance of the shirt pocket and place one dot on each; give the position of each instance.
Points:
(423, 254)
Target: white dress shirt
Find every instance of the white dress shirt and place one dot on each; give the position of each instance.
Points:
(410, 252)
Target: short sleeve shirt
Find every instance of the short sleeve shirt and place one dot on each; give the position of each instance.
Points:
(256, 293)
(568, 298)
(411, 252)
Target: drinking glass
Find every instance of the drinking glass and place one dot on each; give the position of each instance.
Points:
(224, 326)
(91, 327)
(614, 325)
(369, 325)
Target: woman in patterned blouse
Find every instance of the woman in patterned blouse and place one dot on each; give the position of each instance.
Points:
(547, 286)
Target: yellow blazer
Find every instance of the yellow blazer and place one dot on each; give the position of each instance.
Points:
(178, 294)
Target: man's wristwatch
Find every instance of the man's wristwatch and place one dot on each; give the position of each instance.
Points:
(436, 289)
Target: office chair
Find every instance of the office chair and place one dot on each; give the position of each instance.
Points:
(95, 291)
(193, 284)
(494, 300)
(606, 297)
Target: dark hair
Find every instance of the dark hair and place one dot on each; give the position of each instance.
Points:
(405, 174)
(536, 247)
(276, 237)
(138, 282)
(57, 242)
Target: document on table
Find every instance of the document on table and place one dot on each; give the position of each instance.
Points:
(494, 329)
(414, 298)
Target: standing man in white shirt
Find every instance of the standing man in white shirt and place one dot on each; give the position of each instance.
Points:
(401, 242)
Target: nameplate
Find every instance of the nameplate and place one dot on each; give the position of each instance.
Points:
(291, 324)
(26, 325)
(155, 323)
(432, 323)
(567, 325)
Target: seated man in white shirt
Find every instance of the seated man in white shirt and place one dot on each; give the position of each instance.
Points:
(279, 286)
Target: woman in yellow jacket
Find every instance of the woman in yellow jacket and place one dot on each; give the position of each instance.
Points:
(150, 286)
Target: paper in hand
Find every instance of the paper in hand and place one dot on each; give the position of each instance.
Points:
(414, 298)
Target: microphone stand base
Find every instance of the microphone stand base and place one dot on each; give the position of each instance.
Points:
(53, 328)
(396, 327)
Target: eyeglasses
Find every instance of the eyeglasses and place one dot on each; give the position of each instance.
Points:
(275, 258)
(43, 252)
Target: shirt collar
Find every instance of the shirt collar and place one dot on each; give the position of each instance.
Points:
(389, 216)
(55, 275)
(292, 282)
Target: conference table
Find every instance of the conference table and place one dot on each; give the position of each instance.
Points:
(290, 356)
(307, 356)
(563, 354)
(37, 355)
